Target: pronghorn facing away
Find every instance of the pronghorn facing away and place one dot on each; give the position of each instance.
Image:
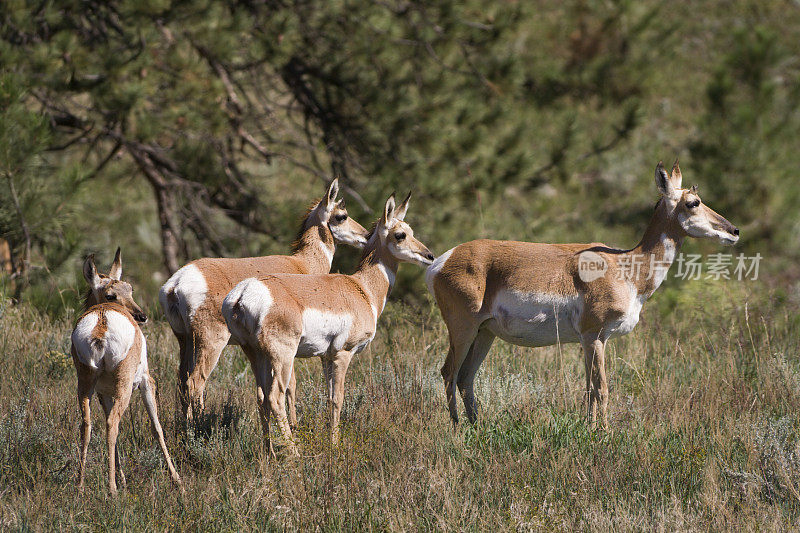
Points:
(193, 296)
(533, 294)
(110, 357)
(279, 317)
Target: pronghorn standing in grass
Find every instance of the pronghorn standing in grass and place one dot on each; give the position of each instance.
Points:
(192, 297)
(279, 317)
(533, 294)
(110, 356)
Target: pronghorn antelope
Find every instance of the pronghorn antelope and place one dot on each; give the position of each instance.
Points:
(533, 294)
(193, 296)
(110, 357)
(279, 317)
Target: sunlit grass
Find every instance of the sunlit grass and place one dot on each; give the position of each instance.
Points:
(704, 434)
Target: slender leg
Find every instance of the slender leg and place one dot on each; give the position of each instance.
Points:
(85, 392)
(107, 402)
(291, 398)
(185, 367)
(466, 376)
(262, 371)
(460, 343)
(340, 363)
(148, 388)
(207, 343)
(596, 384)
(120, 404)
(281, 375)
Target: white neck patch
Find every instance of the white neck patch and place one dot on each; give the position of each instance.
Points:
(327, 251)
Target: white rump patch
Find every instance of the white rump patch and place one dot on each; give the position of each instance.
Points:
(323, 332)
(190, 288)
(82, 340)
(435, 268)
(244, 309)
(109, 351)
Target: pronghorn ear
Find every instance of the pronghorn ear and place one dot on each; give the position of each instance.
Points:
(116, 267)
(90, 272)
(388, 210)
(676, 177)
(400, 213)
(330, 197)
(663, 182)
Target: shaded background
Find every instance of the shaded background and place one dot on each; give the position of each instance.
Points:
(183, 129)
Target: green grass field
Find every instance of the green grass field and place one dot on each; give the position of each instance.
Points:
(704, 417)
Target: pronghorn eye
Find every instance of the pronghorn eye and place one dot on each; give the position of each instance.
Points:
(340, 218)
(399, 235)
(111, 297)
(693, 204)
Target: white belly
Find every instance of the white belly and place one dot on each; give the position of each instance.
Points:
(323, 332)
(532, 319)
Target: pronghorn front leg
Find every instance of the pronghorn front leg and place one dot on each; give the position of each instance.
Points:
(338, 371)
(596, 383)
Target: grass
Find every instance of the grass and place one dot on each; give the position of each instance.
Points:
(705, 411)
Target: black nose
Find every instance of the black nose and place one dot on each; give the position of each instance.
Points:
(430, 256)
(735, 231)
(140, 317)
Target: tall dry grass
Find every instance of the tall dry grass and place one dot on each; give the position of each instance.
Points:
(705, 397)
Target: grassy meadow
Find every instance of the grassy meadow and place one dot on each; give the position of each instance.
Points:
(704, 413)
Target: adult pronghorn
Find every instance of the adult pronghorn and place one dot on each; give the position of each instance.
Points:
(193, 296)
(533, 294)
(110, 357)
(279, 317)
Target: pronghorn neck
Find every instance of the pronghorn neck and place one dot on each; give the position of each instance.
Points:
(377, 272)
(656, 251)
(316, 245)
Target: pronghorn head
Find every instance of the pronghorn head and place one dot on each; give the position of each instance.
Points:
(110, 288)
(398, 237)
(332, 212)
(692, 215)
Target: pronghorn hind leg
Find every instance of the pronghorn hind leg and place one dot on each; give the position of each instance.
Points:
(85, 391)
(185, 367)
(291, 399)
(148, 389)
(108, 403)
(118, 407)
(262, 371)
(207, 346)
(282, 363)
(466, 376)
(460, 344)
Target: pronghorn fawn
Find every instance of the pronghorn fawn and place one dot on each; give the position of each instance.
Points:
(532, 294)
(110, 357)
(279, 317)
(192, 297)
